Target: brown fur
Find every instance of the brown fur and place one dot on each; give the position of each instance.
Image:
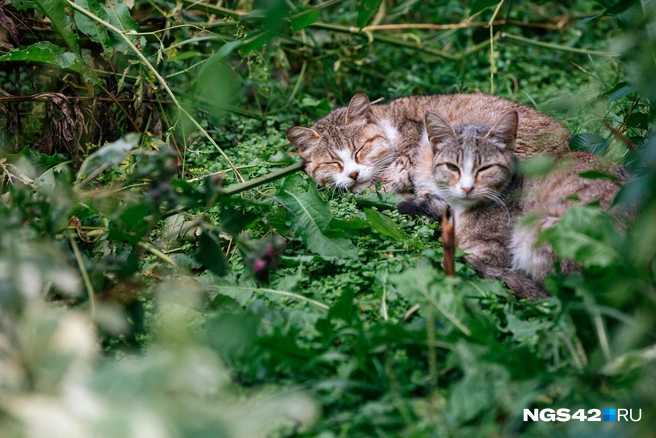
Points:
(397, 158)
(474, 171)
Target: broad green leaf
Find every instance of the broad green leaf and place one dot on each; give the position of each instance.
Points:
(55, 10)
(585, 234)
(479, 5)
(119, 16)
(91, 28)
(312, 220)
(366, 10)
(47, 53)
(211, 255)
(384, 225)
(304, 19)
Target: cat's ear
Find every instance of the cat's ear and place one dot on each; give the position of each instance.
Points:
(359, 110)
(506, 129)
(438, 129)
(302, 138)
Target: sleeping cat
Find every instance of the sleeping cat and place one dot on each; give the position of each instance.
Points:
(353, 148)
(473, 166)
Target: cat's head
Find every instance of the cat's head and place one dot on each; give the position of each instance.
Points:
(347, 149)
(472, 163)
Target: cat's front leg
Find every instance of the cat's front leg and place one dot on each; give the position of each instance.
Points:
(431, 206)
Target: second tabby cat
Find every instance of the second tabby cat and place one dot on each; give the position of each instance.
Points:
(473, 167)
(353, 148)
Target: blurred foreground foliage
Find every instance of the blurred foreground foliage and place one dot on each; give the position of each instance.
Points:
(143, 293)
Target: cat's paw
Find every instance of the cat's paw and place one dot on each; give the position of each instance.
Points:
(430, 206)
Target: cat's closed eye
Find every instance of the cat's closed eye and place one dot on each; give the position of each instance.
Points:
(335, 164)
(452, 167)
(484, 168)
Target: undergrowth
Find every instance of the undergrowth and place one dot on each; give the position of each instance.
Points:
(146, 293)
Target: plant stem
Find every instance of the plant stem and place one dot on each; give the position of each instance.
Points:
(248, 185)
(555, 46)
(85, 276)
(385, 39)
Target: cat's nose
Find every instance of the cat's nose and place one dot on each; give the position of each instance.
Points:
(467, 190)
(354, 175)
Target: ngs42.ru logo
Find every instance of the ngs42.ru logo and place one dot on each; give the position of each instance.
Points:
(563, 414)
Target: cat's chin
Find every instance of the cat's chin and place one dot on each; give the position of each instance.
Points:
(360, 187)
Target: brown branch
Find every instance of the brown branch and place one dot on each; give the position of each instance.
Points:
(449, 245)
(621, 137)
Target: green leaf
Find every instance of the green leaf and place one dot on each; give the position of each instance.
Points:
(109, 154)
(589, 142)
(479, 5)
(638, 120)
(312, 218)
(366, 10)
(119, 16)
(210, 254)
(47, 53)
(536, 166)
(617, 92)
(585, 234)
(384, 225)
(91, 28)
(596, 174)
(304, 19)
(55, 10)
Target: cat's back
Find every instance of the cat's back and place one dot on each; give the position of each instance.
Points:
(577, 177)
(537, 133)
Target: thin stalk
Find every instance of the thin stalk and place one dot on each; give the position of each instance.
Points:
(385, 39)
(161, 80)
(493, 64)
(85, 276)
(157, 253)
(555, 46)
(248, 185)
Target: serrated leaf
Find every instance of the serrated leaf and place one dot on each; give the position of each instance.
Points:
(589, 142)
(55, 10)
(210, 254)
(311, 221)
(479, 5)
(585, 234)
(47, 53)
(366, 10)
(384, 225)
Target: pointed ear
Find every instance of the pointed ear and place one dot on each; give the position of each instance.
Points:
(506, 129)
(438, 129)
(302, 138)
(359, 110)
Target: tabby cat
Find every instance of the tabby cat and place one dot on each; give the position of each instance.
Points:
(473, 166)
(353, 148)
